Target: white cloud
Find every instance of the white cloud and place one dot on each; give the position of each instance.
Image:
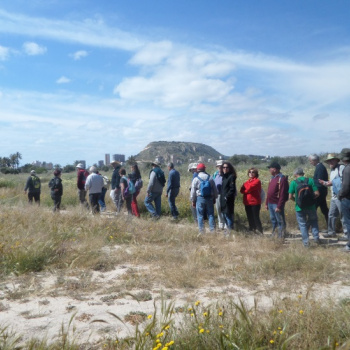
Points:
(63, 80)
(4, 53)
(33, 49)
(79, 54)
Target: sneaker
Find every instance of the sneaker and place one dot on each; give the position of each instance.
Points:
(329, 235)
(343, 238)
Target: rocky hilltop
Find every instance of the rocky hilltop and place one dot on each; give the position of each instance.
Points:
(181, 152)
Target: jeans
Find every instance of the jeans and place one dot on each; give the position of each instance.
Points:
(221, 218)
(101, 200)
(307, 218)
(345, 207)
(127, 201)
(94, 197)
(335, 211)
(253, 215)
(228, 217)
(157, 198)
(82, 198)
(277, 220)
(205, 205)
(115, 195)
(172, 194)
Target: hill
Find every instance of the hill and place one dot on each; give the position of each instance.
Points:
(181, 151)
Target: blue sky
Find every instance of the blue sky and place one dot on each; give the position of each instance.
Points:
(82, 78)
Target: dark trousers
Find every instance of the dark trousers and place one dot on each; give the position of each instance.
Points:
(94, 197)
(321, 202)
(35, 196)
(253, 215)
(56, 202)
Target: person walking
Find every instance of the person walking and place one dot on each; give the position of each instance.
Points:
(135, 178)
(101, 200)
(82, 175)
(124, 196)
(203, 197)
(228, 194)
(173, 189)
(115, 184)
(155, 190)
(94, 184)
(33, 187)
(217, 177)
(251, 191)
(306, 214)
(56, 188)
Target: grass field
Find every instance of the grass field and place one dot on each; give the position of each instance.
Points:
(296, 291)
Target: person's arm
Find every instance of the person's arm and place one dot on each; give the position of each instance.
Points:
(151, 181)
(194, 192)
(282, 191)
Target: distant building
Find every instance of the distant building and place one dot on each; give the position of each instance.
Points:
(45, 165)
(201, 159)
(107, 159)
(49, 166)
(119, 157)
(100, 163)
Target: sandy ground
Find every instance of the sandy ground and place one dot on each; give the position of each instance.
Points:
(45, 307)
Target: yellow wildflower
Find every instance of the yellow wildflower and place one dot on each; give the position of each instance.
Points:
(300, 296)
(221, 326)
(220, 313)
(208, 331)
(171, 342)
(280, 311)
(301, 312)
(279, 328)
(157, 341)
(205, 314)
(274, 332)
(167, 327)
(160, 335)
(149, 317)
(197, 303)
(272, 341)
(190, 309)
(192, 314)
(201, 330)
(165, 348)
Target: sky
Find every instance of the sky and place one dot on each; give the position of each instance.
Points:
(82, 78)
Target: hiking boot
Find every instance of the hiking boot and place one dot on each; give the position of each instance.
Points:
(343, 238)
(329, 235)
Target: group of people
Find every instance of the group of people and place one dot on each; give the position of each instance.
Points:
(220, 190)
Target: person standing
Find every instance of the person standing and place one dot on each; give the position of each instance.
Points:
(155, 190)
(173, 189)
(82, 175)
(56, 188)
(228, 194)
(335, 179)
(124, 197)
(136, 179)
(192, 168)
(33, 187)
(306, 214)
(94, 184)
(101, 200)
(251, 191)
(217, 177)
(344, 193)
(203, 197)
(115, 184)
(320, 174)
(276, 198)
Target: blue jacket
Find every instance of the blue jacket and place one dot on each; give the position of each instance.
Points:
(173, 180)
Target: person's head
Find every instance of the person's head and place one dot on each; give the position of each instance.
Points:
(135, 169)
(314, 159)
(345, 155)
(200, 167)
(332, 160)
(79, 166)
(192, 167)
(170, 165)
(32, 172)
(298, 172)
(122, 172)
(253, 172)
(115, 164)
(93, 169)
(227, 168)
(57, 172)
(274, 168)
(156, 164)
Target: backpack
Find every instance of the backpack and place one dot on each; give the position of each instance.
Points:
(52, 184)
(336, 183)
(130, 189)
(106, 181)
(36, 182)
(160, 176)
(138, 184)
(205, 187)
(305, 194)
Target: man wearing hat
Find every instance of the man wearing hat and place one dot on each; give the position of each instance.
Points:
(217, 177)
(33, 186)
(173, 189)
(344, 193)
(335, 210)
(82, 175)
(115, 184)
(155, 190)
(306, 215)
(320, 174)
(276, 198)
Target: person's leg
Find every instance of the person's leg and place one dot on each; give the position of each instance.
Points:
(333, 213)
(251, 222)
(273, 218)
(194, 212)
(101, 200)
(171, 199)
(134, 206)
(338, 204)
(301, 218)
(221, 219)
(321, 202)
(345, 207)
(120, 202)
(128, 204)
(158, 203)
(200, 206)
(210, 213)
(256, 217)
(30, 198)
(37, 198)
(281, 222)
(312, 221)
(148, 204)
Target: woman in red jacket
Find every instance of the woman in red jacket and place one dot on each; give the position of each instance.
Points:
(251, 190)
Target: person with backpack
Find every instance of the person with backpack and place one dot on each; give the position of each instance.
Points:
(127, 189)
(173, 189)
(335, 211)
(276, 198)
(304, 192)
(203, 197)
(228, 194)
(82, 175)
(94, 184)
(56, 188)
(251, 191)
(101, 200)
(33, 187)
(135, 178)
(155, 190)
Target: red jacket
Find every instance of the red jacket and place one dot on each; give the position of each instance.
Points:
(82, 175)
(251, 190)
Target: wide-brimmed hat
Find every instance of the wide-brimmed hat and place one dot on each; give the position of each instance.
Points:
(331, 156)
(80, 166)
(192, 166)
(219, 162)
(274, 165)
(345, 154)
(155, 163)
(115, 162)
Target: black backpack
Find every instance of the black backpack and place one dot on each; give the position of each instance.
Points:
(305, 195)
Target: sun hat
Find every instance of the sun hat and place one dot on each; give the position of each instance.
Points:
(33, 172)
(331, 156)
(219, 162)
(200, 167)
(80, 166)
(155, 163)
(345, 154)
